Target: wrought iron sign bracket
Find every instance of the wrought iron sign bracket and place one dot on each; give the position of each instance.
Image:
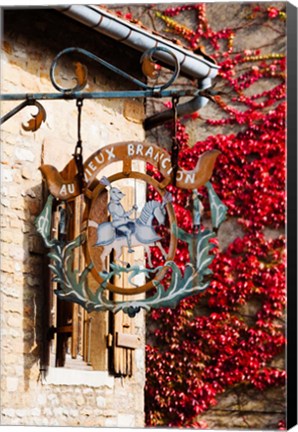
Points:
(77, 93)
(106, 225)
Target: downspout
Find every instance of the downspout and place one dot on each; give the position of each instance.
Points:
(192, 65)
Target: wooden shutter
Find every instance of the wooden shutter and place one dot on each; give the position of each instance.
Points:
(89, 330)
(125, 341)
(95, 340)
(73, 329)
(95, 348)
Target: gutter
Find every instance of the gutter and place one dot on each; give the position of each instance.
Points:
(192, 65)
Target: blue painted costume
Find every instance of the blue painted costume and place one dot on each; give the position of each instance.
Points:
(120, 218)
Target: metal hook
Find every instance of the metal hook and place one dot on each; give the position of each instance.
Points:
(37, 119)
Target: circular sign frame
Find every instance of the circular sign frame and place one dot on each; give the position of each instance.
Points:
(90, 249)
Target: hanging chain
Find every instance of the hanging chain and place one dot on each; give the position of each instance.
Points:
(175, 143)
(78, 154)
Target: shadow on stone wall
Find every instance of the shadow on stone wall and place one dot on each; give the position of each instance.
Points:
(35, 292)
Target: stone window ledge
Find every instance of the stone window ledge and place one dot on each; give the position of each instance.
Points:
(63, 376)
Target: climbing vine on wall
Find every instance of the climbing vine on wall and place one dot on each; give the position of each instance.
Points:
(196, 356)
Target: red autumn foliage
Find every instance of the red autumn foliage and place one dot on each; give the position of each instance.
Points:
(208, 344)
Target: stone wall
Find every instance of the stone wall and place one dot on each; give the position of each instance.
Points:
(65, 397)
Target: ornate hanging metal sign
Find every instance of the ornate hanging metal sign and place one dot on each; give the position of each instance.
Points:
(108, 228)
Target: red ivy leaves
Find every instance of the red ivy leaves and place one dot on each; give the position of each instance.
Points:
(199, 358)
(251, 267)
(211, 342)
(250, 171)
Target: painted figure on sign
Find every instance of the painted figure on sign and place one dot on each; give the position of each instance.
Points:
(120, 218)
(122, 230)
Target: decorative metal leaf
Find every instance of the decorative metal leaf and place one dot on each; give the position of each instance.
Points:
(149, 67)
(203, 248)
(218, 209)
(37, 119)
(81, 72)
(43, 223)
(74, 288)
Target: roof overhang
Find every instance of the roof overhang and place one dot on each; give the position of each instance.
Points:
(191, 65)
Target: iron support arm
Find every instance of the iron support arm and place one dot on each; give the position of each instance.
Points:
(145, 91)
(98, 95)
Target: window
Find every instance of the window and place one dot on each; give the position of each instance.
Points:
(97, 341)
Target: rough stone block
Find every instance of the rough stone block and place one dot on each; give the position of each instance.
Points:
(5, 202)
(12, 384)
(13, 236)
(23, 154)
(4, 221)
(13, 190)
(110, 422)
(80, 400)
(58, 411)
(16, 223)
(47, 412)
(87, 391)
(26, 172)
(12, 305)
(5, 249)
(101, 402)
(53, 399)
(74, 413)
(4, 191)
(7, 265)
(18, 267)
(9, 412)
(18, 253)
(36, 412)
(126, 420)
(6, 175)
(17, 203)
